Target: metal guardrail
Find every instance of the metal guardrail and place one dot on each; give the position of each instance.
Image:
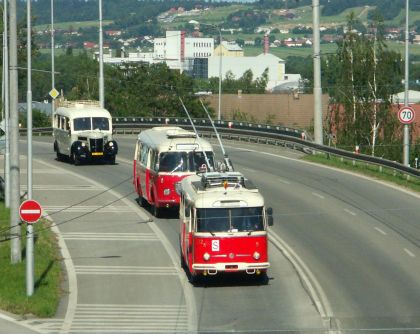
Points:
(267, 134)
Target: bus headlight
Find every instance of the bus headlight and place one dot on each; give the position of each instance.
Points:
(206, 256)
(111, 144)
(166, 191)
(83, 144)
(256, 255)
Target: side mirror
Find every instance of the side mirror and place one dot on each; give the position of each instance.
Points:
(269, 213)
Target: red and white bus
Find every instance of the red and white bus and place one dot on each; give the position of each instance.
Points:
(163, 156)
(223, 225)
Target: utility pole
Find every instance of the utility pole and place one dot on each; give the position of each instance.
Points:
(29, 228)
(101, 60)
(15, 230)
(406, 144)
(52, 56)
(6, 104)
(318, 133)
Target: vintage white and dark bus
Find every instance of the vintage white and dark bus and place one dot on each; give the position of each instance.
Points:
(223, 225)
(82, 131)
(163, 157)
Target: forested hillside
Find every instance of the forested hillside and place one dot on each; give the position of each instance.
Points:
(127, 12)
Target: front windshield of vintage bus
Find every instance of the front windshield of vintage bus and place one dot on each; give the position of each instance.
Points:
(82, 123)
(230, 219)
(197, 159)
(100, 123)
(173, 162)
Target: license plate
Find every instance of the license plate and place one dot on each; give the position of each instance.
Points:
(97, 153)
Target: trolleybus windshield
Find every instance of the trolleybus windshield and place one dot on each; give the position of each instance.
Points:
(230, 219)
(182, 161)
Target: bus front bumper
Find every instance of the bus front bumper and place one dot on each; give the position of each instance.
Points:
(214, 268)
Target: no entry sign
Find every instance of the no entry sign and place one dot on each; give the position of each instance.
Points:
(30, 211)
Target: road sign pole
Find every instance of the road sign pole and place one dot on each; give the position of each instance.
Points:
(29, 230)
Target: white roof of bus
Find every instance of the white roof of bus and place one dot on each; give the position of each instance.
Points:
(84, 111)
(206, 198)
(167, 137)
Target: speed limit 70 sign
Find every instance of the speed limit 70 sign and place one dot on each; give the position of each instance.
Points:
(406, 115)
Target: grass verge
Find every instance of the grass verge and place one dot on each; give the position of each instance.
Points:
(387, 174)
(47, 264)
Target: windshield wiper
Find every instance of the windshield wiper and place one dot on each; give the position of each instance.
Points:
(179, 165)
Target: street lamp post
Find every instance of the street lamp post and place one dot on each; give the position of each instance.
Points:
(406, 140)
(219, 112)
(101, 60)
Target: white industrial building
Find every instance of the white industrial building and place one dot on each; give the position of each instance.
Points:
(239, 65)
(199, 57)
(175, 46)
(176, 50)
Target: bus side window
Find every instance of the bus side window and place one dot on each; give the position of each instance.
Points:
(192, 219)
(62, 123)
(143, 154)
(154, 160)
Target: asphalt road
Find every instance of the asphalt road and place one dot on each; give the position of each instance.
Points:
(345, 252)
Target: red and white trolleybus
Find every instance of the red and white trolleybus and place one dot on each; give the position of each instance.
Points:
(223, 225)
(163, 156)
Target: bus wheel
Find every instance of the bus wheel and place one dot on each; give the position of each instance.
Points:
(263, 278)
(111, 160)
(156, 211)
(75, 159)
(141, 201)
(193, 278)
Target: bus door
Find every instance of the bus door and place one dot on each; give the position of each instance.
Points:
(184, 215)
(142, 168)
(152, 175)
(136, 165)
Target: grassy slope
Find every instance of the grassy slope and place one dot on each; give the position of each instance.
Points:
(74, 25)
(387, 174)
(44, 301)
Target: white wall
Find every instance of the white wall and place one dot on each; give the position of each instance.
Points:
(238, 66)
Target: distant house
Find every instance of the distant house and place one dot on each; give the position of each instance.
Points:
(89, 45)
(113, 33)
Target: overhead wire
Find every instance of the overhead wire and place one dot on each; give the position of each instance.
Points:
(73, 205)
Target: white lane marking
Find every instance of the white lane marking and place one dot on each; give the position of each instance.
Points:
(61, 187)
(318, 195)
(315, 290)
(110, 236)
(283, 181)
(125, 270)
(71, 278)
(136, 318)
(409, 252)
(249, 169)
(380, 231)
(36, 171)
(349, 212)
(88, 208)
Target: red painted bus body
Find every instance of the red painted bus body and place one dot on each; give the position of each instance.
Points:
(223, 226)
(163, 157)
